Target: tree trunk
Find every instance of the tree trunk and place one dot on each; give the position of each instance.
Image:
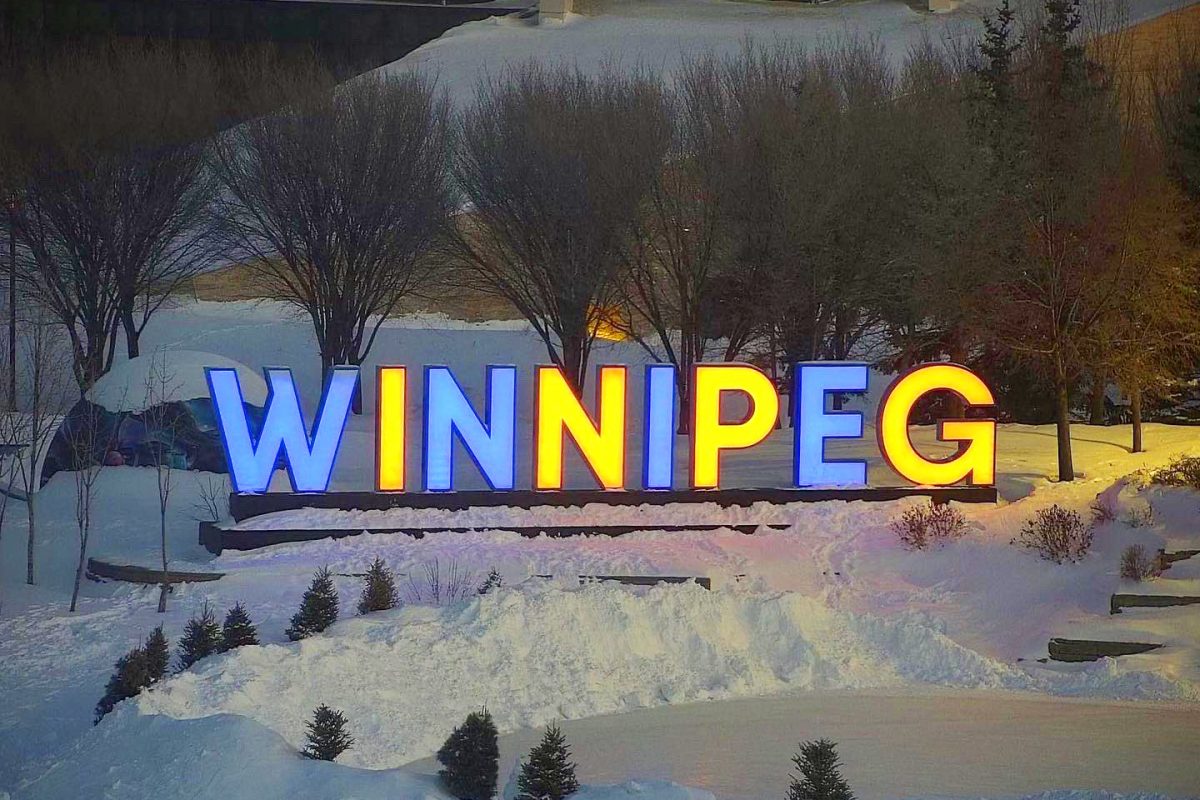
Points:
(31, 520)
(132, 336)
(79, 572)
(573, 355)
(1096, 414)
(162, 535)
(1135, 411)
(1066, 467)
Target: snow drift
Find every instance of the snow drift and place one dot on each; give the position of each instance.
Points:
(406, 677)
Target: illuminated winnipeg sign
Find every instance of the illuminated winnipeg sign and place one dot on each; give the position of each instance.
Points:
(489, 434)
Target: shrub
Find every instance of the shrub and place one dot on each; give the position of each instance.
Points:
(442, 587)
(923, 526)
(469, 758)
(1183, 471)
(327, 736)
(549, 773)
(820, 775)
(1057, 534)
(201, 638)
(379, 589)
(494, 580)
(1102, 511)
(318, 607)
(131, 674)
(1142, 517)
(1137, 564)
(238, 630)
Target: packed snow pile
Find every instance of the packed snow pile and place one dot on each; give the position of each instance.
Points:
(533, 656)
(169, 376)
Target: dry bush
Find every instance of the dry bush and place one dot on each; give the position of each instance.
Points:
(1057, 534)
(923, 526)
(1183, 471)
(1138, 565)
(437, 587)
(1103, 511)
(1142, 517)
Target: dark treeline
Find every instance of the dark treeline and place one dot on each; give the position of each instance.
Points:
(1023, 204)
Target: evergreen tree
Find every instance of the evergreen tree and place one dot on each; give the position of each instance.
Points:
(318, 607)
(327, 736)
(997, 48)
(131, 674)
(549, 774)
(201, 638)
(469, 758)
(379, 589)
(238, 630)
(158, 654)
(494, 580)
(820, 773)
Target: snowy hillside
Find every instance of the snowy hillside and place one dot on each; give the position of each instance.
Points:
(829, 604)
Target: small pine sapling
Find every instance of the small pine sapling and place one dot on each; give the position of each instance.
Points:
(820, 775)
(327, 737)
(469, 758)
(158, 654)
(238, 630)
(201, 638)
(379, 589)
(549, 774)
(131, 674)
(318, 607)
(494, 580)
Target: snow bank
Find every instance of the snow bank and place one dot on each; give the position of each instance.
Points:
(178, 374)
(407, 677)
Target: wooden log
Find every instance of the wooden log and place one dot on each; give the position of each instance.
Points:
(147, 575)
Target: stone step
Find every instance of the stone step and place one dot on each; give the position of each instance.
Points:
(1165, 559)
(1093, 650)
(131, 573)
(1120, 601)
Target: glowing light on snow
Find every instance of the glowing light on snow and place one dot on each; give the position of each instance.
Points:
(558, 412)
(710, 436)
(389, 438)
(975, 460)
(658, 456)
(813, 425)
(491, 445)
(309, 460)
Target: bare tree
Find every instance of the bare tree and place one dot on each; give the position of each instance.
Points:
(113, 194)
(161, 416)
(554, 165)
(681, 238)
(87, 441)
(338, 199)
(45, 393)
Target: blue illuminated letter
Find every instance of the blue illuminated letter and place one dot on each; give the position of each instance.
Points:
(309, 460)
(448, 412)
(813, 425)
(658, 423)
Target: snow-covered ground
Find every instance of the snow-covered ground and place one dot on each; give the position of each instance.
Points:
(830, 603)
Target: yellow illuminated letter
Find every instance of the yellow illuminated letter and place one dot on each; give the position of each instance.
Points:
(559, 411)
(975, 460)
(709, 435)
(389, 440)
